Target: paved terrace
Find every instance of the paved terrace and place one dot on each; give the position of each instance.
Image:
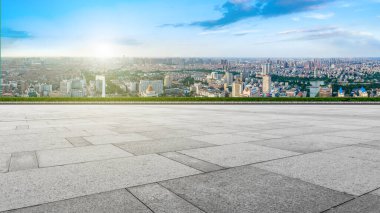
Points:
(190, 158)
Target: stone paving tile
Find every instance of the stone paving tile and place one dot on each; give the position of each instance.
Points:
(4, 162)
(373, 129)
(192, 162)
(306, 144)
(222, 139)
(159, 199)
(248, 189)
(114, 139)
(22, 144)
(258, 136)
(118, 201)
(237, 154)
(21, 127)
(171, 134)
(23, 161)
(78, 141)
(361, 136)
(365, 204)
(296, 131)
(377, 192)
(23, 130)
(44, 185)
(369, 154)
(375, 143)
(218, 130)
(138, 129)
(161, 145)
(350, 175)
(57, 157)
(369, 146)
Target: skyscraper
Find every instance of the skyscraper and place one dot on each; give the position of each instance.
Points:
(267, 68)
(229, 78)
(237, 88)
(267, 81)
(101, 84)
(168, 81)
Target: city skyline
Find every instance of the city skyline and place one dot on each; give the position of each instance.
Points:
(218, 28)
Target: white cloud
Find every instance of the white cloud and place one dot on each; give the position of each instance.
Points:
(320, 16)
(296, 18)
(213, 32)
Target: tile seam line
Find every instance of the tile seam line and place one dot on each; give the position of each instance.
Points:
(139, 199)
(348, 201)
(179, 196)
(161, 154)
(44, 203)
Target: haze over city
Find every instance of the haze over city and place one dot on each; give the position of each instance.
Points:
(190, 28)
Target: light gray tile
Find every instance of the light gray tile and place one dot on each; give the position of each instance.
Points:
(161, 145)
(360, 136)
(305, 144)
(364, 204)
(4, 162)
(353, 176)
(118, 201)
(377, 192)
(192, 162)
(38, 186)
(172, 134)
(22, 127)
(257, 136)
(23, 161)
(160, 199)
(108, 139)
(237, 154)
(296, 131)
(17, 144)
(78, 141)
(356, 152)
(222, 139)
(58, 157)
(248, 189)
(140, 128)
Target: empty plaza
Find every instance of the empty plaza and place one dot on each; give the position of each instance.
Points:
(190, 158)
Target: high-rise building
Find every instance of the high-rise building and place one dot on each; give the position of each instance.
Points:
(101, 84)
(267, 82)
(65, 88)
(229, 78)
(315, 73)
(215, 76)
(237, 88)
(77, 89)
(46, 89)
(225, 64)
(267, 68)
(168, 81)
(158, 86)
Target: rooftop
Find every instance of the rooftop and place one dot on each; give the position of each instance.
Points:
(167, 158)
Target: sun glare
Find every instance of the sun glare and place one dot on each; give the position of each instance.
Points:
(104, 51)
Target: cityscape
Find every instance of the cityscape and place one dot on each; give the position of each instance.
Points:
(190, 77)
(190, 106)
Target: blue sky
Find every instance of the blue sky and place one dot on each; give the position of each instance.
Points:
(191, 28)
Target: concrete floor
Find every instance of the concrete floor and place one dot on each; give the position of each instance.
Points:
(189, 158)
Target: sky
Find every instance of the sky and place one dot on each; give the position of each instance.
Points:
(190, 28)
